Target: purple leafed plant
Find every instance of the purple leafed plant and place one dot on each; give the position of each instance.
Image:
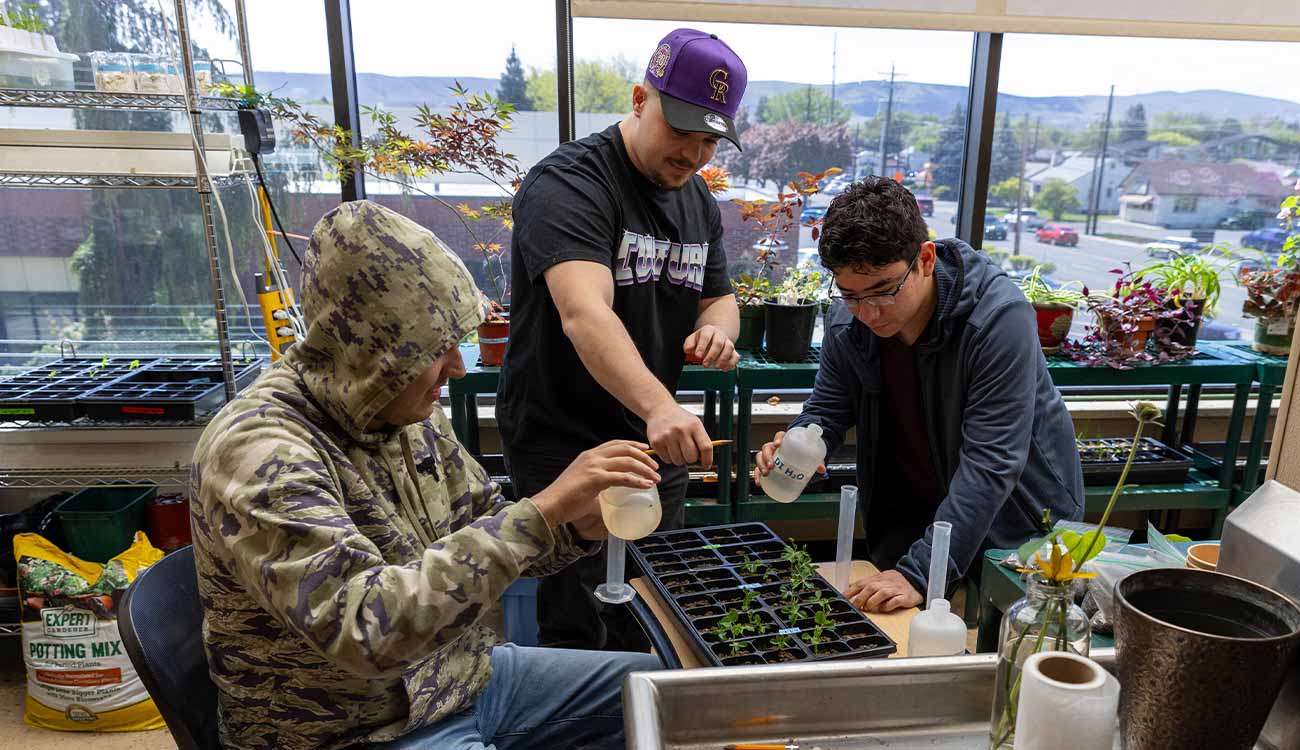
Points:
(1133, 306)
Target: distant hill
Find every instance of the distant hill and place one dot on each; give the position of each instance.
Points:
(864, 98)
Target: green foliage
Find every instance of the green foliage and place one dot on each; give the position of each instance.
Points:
(1038, 292)
(1006, 151)
(1172, 138)
(513, 88)
(1192, 275)
(802, 284)
(950, 149)
(1022, 262)
(810, 106)
(598, 86)
(1133, 125)
(27, 17)
(939, 192)
(1057, 197)
(1006, 191)
(999, 257)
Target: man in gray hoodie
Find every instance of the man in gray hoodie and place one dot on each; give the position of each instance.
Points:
(932, 354)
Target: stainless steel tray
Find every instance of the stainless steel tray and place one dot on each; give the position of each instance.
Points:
(938, 704)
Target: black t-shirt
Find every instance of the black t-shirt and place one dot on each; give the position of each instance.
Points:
(586, 201)
(906, 490)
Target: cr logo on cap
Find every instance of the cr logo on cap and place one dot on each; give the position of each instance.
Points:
(718, 80)
(659, 63)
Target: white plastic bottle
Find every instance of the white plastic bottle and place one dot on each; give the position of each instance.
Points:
(630, 513)
(801, 452)
(937, 631)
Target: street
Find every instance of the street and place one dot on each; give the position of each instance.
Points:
(1092, 260)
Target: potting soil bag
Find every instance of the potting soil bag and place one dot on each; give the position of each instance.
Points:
(79, 678)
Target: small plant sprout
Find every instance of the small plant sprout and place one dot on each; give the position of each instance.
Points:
(739, 647)
(793, 612)
(822, 619)
(752, 567)
(815, 637)
(781, 641)
(748, 602)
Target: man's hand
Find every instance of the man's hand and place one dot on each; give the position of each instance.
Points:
(678, 436)
(711, 347)
(618, 463)
(883, 592)
(763, 462)
(590, 527)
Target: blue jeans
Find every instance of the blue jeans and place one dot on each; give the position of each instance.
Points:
(540, 698)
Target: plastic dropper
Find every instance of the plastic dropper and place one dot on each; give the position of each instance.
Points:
(937, 631)
(844, 539)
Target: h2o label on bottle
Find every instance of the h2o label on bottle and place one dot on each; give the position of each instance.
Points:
(788, 470)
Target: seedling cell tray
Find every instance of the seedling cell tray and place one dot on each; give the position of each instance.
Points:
(716, 578)
(1155, 463)
(166, 390)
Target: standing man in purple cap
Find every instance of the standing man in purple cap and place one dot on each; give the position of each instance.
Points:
(618, 273)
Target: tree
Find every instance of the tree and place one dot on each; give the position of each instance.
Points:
(1172, 138)
(1057, 197)
(807, 105)
(1005, 192)
(1133, 125)
(1006, 151)
(513, 88)
(599, 86)
(948, 152)
(774, 152)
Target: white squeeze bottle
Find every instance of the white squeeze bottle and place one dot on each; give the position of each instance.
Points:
(937, 631)
(801, 452)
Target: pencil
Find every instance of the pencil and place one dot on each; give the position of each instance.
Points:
(714, 443)
(760, 746)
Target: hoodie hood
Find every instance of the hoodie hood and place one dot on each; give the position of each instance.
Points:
(962, 275)
(382, 297)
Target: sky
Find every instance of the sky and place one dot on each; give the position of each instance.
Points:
(424, 37)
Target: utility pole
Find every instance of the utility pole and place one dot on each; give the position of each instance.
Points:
(1101, 168)
(835, 46)
(884, 130)
(1020, 188)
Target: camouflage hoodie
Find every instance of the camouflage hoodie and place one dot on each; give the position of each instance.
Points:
(344, 573)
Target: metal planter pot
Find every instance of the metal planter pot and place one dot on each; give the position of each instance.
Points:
(1201, 658)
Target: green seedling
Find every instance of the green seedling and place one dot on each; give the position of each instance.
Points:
(781, 641)
(823, 620)
(748, 601)
(739, 647)
(793, 612)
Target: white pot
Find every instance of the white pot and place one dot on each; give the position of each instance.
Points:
(48, 44)
(28, 40)
(8, 37)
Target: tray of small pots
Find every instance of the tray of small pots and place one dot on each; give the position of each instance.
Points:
(743, 596)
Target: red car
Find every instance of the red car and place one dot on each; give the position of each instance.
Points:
(1057, 234)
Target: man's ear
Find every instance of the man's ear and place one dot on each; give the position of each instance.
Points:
(929, 255)
(639, 99)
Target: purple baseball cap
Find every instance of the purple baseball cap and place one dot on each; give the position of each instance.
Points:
(700, 81)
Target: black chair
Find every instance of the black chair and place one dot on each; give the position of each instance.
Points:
(160, 621)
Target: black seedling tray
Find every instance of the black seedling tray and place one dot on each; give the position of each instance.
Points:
(1155, 463)
(700, 574)
(1208, 457)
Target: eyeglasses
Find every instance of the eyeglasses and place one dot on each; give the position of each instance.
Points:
(884, 299)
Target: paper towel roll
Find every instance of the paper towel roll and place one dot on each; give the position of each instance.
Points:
(1066, 701)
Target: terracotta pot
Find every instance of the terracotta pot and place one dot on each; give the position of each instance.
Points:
(1273, 335)
(1054, 319)
(752, 325)
(492, 338)
(1135, 342)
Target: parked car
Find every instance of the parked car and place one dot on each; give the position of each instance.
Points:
(811, 214)
(994, 228)
(1029, 216)
(1167, 247)
(1057, 234)
(926, 204)
(1213, 330)
(1269, 239)
(1246, 220)
(1017, 274)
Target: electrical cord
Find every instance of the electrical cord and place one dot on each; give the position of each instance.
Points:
(257, 164)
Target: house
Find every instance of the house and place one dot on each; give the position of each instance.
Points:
(1189, 195)
(1079, 171)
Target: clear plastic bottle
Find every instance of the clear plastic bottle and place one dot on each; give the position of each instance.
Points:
(801, 452)
(630, 513)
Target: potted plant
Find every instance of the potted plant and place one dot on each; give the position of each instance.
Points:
(1126, 320)
(1054, 308)
(792, 312)
(774, 220)
(462, 140)
(1193, 283)
(1272, 295)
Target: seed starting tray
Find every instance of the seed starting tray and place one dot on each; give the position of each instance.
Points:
(698, 573)
(1155, 463)
(120, 388)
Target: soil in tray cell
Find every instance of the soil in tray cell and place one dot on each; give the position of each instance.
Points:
(755, 551)
(729, 596)
(677, 581)
(695, 601)
(703, 613)
(676, 537)
(833, 648)
(760, 623)
(701, 559)
(781, 657)
(866, 642)
(662, 559)
(719, 578)
(719, 536)
(743, 660)
(653, 548)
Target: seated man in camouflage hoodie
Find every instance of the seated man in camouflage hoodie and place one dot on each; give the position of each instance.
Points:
(348, 547)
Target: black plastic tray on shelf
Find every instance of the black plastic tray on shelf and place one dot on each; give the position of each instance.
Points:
(699, 574)
(1155, 463)
(119, 388)
(1208, 457)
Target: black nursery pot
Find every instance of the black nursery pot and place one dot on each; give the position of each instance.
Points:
(790, 330)
(1184, 330)
(752, 323)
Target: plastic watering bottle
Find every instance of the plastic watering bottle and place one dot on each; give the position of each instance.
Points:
(937, 631)
(801, 452)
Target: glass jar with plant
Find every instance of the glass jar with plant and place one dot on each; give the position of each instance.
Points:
(1126, 321)
(1053, 306)
(1193, 282)
(774, 220)
(461, 140)
(1047, 619)
(1272, 294)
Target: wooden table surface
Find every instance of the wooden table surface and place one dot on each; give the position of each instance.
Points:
(895, 624)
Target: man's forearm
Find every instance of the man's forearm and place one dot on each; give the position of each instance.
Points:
(612, 359)
(723, 314)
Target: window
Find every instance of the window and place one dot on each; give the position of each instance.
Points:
(511, 57)
(817, 98)
(1185, 148)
